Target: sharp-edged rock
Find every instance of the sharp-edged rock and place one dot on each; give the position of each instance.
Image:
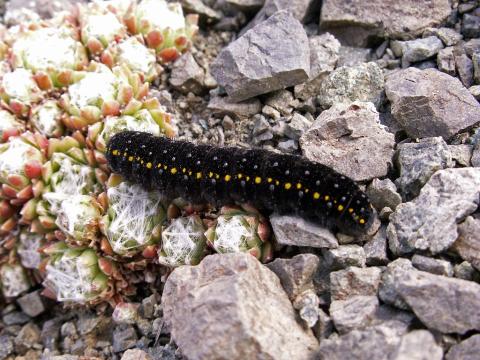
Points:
(344, 256)
(468, 243)
(239, 110)
(466, 350)
(187, 76)
(418, 345)
(354, 281)
(383, 193)
(356, 312)
(431, 265)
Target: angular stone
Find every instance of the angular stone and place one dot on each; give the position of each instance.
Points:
(468, 243)
(352, 56)
(246, 5)
(296, 273)
(32, 304)
(6, 346)
(464, 67)
(206, 14)
(429, 222)
(461, 154)
(476, 155)
(387, 292)
(27, 338)
(124, 337)
(420, 49)
(448, 36)
(271, 56)
(297, 126)
(471, 26)
(383, 193)
(465, 271)
(417, 162)
(476, 67)
(431, 103)
(324, 326)
(238, 110)
(351, 140)
(135, 354)
(466, 350)
(344, 256)
(373, 343)
(431, 265)
(472, 46)
(296, 231)
(418, 345)
(324, 51)
(446, 61)
(354, 281)
(356, 312)
(216, 310)
(356, 22)
(187, 76)
(376, 248)
(444, 304)
(281, 100)
(307, 304)
(363, 82)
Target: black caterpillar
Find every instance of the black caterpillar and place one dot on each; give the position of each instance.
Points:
(203, 173)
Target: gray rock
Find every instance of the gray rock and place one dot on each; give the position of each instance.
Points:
(472, 46)
(446, 61)
(324, 326)
(464, 271)
(344, 256)
(476, 67)
(281, 100)
(448, 36)
(387, 292)
(297, 126)
(383, 193)
(420, 49)
(206, 14)
(352, 56)
(124, 337)
(356, 22)
(444, 304)
(45, 8)
(431, 103)
(461, 154)
(373, 343)
(476, 155)
(271, 56)
(32, 303)
(296, 231)
(356, 312)
(471, 26)
(307, 304)
(376, 248)
(417, 162)
(418, 345)
(246, 5)
(466, 350)
(300, 9)
(51, 333)
(468, 243)
(135, 354)
(296, 273)
(351, 140)
(242, 326)
(288, 146)
(464, 67)
(429, 222)
(6, 346)
(238, 110)
(15, 318)
(431, 265)
(364, 82)
(27, 338)
(324, 51)
(354, 281)
(187, 76)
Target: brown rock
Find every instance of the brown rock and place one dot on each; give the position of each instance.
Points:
(468, 243)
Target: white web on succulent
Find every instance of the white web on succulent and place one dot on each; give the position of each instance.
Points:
(69, 280)
(14, 158)
(232, 234)
(179, 241)
(133, 208)
(28, 250)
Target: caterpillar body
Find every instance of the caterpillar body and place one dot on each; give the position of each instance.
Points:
(225, 175)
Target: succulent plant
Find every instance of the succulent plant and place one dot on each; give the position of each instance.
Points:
(21, 160)
(102, 92)
(164, 27)
(19, 92)
(13, 280)
(51, 53)
(9, 125)
(183, 242)
(8, 219)
(46, 118)
(241, 230)
(133, 219)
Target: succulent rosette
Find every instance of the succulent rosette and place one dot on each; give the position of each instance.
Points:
(8, 219)
(183, 242)
(53, 54)
(10, 125)
(19, 91)
(133, 219)
(102, 92)
(46, 118)
(14, 280)
(164, 27)
(21, 160)
(79, 275)
(135, 55)
(99, 27)
(241, 230)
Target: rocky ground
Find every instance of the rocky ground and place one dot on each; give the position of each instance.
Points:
(384, 92)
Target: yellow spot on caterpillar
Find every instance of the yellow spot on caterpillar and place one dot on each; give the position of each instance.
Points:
(340, 207)
(199, 175)
(327, 198)
(138, 158)
(141, 162)
(189, 173)
(149, 165)
(115, 152)
(217, 176)
(159, 166)
(316, 196)
(239, 176)
(227, 178)
(130, 158)
(248, 178)
(269, 180)
(165, 167)
(299, 186)
(350, 210)
(173, 171)
(277, 182)
(258, 180)
(307, 190)
(288, 186)
(184, 170)
(210, 174)
(125, 154)
(362, 221)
